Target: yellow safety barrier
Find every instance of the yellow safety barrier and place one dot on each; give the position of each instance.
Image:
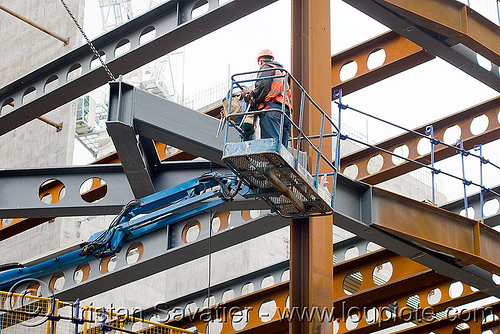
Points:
(26, 313)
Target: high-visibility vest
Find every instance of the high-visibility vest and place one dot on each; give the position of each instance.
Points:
(275, 94)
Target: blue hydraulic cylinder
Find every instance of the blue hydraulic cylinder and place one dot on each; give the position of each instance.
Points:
(10, 277)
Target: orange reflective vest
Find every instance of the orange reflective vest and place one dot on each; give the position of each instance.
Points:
(275, 94)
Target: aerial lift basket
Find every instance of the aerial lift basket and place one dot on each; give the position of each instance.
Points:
(277, 174)
(272, 170)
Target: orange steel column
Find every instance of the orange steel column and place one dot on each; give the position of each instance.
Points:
(311, 272)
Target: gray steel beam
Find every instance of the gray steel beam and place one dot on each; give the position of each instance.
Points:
(19, 193)
(458, 55)
(121, 130)
(172, 26)
(160, 119)
(20, 198)
(163, 250)
(166, 311)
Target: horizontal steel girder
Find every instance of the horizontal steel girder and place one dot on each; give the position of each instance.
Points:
(170, 26)
(459, 55)
(390, 170)
(466, 241)
(400, 54)
(70, 197)
(410, 228)
(159, 251)
(20, 191)
(355, 289)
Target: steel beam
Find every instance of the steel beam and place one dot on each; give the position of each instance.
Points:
(244, 314)
(21, 191)
(159, 251)
(168, 26)
(120, 128)
(368, 213)
(162, 120)
(459, 55)
(311, 239)
(400, 54)
(466, 241)
(389, 169)
(452, 20)
(63, 185)
(165, 176)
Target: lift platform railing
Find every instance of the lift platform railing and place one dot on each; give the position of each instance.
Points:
(277, 170)
(23, 313)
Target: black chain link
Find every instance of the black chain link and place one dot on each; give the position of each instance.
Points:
(92, 47)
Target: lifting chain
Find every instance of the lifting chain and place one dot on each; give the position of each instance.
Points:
(94, 50)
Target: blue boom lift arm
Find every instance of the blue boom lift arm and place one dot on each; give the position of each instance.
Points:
(138, 218)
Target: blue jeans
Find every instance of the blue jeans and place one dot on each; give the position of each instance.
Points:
(270, 124)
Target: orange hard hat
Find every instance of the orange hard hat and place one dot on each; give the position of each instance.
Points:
(265, 53)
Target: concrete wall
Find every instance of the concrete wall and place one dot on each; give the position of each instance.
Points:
(37, 144)
(24, 49)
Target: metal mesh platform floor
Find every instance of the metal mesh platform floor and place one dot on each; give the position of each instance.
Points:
(269, 169)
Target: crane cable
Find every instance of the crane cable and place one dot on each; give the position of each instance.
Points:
(91, 45)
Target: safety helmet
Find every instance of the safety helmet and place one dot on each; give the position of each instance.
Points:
(265, 53)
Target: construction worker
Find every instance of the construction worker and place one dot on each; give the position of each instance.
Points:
(268, 94)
